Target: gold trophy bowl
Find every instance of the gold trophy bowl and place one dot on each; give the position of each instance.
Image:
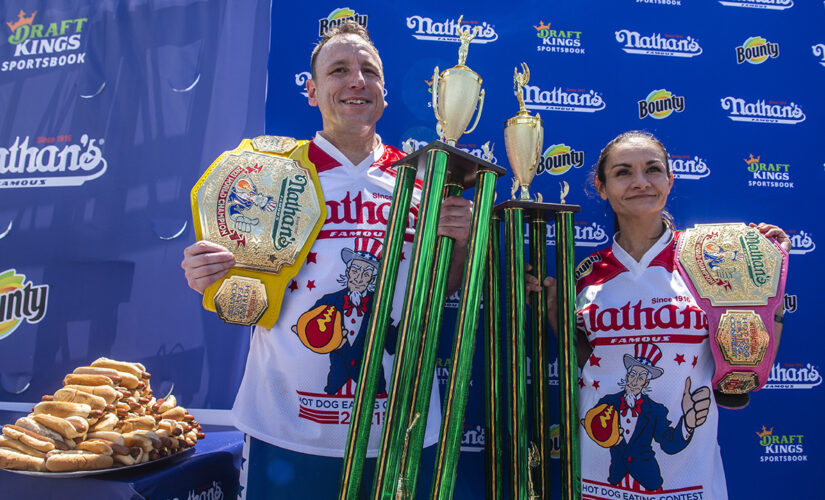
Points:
(456, 92)
(523, 138)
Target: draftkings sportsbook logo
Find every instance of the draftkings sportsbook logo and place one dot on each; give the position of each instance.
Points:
(657, 44)
(660, 104)
(558, 40)
(688, 167)
(793, 376)
(45, 45)
(781, 447)
(768, 174)
(338, 16)
(20, 300)
(563, 99)
(38, 162)
(762, 111)
(756, 50)
(819, 51)
(558, 159)
(425, 28)
(759, 4)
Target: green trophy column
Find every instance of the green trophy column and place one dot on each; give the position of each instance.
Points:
(399, 405)
(429, 349)
(493, 394)
(538, 340)
(568, 366)
(363, 405)
(455, 402)
(515, 307)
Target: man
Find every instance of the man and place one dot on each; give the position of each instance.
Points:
(283, 404)
(641, 420)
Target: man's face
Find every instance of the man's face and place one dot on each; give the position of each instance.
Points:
(360, 274)
(348, 86)
(637, 379)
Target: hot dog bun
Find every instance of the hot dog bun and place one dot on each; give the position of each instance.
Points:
(75, 460)
(11, 459)
(63, 409)
(76, 396)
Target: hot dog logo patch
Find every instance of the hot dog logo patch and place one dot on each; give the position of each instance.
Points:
(320, 329)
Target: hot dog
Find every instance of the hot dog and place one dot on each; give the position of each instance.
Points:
(13, 444)
(11, 459)
(75, 460)
(96, 446)
(82, 379)
(108, 393)
(29, 438)
(76, 396)
(132, 424)
(113, 374)
(136, 369)
(63, 409)
(106, 423)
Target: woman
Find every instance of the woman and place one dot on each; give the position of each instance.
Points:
(650, 377)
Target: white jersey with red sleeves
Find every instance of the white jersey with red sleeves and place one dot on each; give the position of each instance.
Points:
(650, 349)
(298, 388)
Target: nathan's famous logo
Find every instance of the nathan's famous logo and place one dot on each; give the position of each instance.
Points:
(425, 28)
(50, 161)
(20, 300)
(585, 234)
(793, 376)
(762, 111)
(558, 159)
(208, 492)
(558, 40)
(759, 4)
(754, 258)
(44, 45)
(781, 447)
(563, 99)
(660, 104)
(819, 51)
(756, 50)
(473, 439)
(801, 242)
(657, 44)
(287, 210)
(485, 151)
(688, 167)
(768, 174)
(337, 17)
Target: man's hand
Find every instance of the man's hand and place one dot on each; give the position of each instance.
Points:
(454, 222)
(695, 406)
(205, 263)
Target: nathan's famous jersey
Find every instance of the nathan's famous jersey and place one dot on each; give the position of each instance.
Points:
(651, 359)
(299, 385)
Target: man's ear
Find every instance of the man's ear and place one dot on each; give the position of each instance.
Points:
(311, 90)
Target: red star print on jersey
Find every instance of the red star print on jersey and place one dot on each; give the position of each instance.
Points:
(596, 384)
(695, 359)
(680, 358)
(402, 257)
(594, 360)
(311, 284)
(293, 286)
(581, 382)
(311, 257)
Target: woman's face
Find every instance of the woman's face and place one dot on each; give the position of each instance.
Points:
(637, 181)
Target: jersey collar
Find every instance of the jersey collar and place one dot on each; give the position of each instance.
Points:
(638, 267)
(338, 156)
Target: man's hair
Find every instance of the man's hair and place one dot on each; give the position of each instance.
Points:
(348, 27)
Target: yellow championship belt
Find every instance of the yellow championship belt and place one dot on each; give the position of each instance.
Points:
(263, 202)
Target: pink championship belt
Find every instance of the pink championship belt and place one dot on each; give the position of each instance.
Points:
(737, 277)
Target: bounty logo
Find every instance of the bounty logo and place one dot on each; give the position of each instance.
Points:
(44, 45)
(660, 104)
(801, 242)
(555, 442)
(559, 99)
(756, 50)
(337, 17)
(425, 28)
(819, 51)
(793, 376)
(558, 159)
(657, 44)
(584, 234)
(558, 40)
(790, 302)
(759, 4)
(781, 447)
(768, 174)
(24, 166)
(686, 167)
(20, 300)
(762, 112)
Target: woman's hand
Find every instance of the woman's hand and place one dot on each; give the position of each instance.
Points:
(774, 232)
(532, 284)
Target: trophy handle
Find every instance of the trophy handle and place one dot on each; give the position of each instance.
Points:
(435, 94)
(540, 142)
(478, 115)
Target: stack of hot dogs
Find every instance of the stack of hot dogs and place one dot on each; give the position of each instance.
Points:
(104, 416)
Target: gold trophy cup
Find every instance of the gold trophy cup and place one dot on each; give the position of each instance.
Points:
(523, 138)
(456, 92)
